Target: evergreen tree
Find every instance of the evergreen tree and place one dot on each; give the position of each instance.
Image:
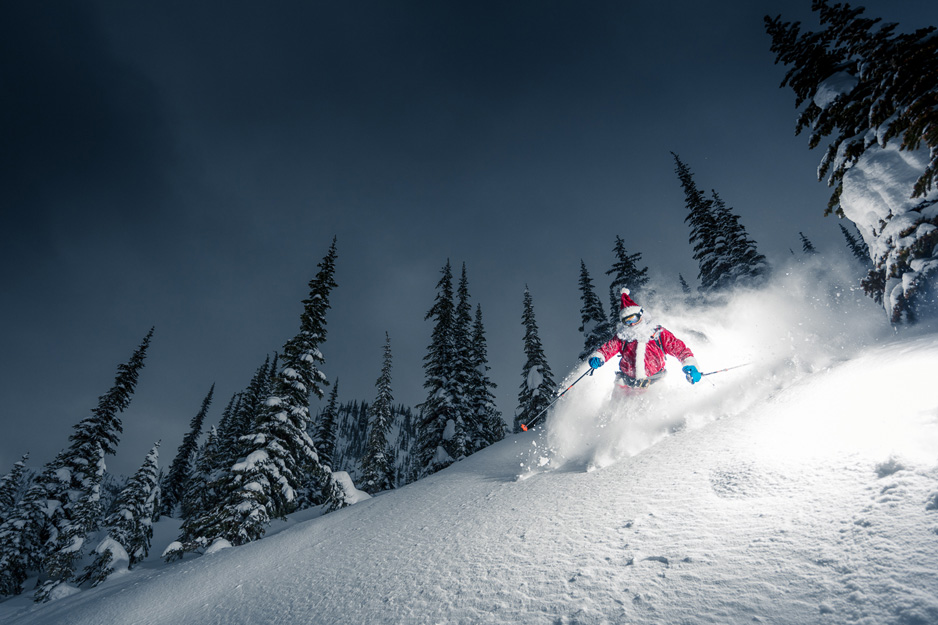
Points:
(326, 424)
(201, 494)
(856, 245)
(277, 463)
(22, 536)
(462, 367)
(865, 88)
(704, 231)
(806, 246)
(406, 444)
(625, 273)
(47, 529)
(10, 487)
(226, 435)
(71, 522)
(212, 484)
(175, 483)
(894, 76)
(741, 263)
(594, 323)
(253, 397)
(69, 489)
(725, 254)
(244, 417)
(685, 288)
(111, 486)
(438, 435)
(378, 463)
(129, 529)
(537, 382)
(488, 425)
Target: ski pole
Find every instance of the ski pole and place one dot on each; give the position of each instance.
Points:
(727, 369)
(525, 426)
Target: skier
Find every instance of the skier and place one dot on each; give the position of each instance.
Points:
(643, 348)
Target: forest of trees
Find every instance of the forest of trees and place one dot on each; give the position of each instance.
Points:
(267, 456)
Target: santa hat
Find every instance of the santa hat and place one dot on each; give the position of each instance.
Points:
(628, 307)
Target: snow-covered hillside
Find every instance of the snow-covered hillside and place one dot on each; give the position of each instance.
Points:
(802, 488)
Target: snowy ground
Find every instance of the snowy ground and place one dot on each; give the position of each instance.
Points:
(802, 489)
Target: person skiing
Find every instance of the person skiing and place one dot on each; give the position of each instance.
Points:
(643, 348)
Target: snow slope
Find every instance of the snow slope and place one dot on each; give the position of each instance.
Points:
(800, 489)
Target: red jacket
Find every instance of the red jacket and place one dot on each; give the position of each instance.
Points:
(652, 351)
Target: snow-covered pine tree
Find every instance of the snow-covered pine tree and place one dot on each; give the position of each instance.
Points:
(46, 531)
(462, 366)
(806, 246)
(740, 261)
(223, 448)
(298, 378)
(174, 485)
(22, 536)
(277, 464)
(857, 246)
(213, 461)
(11, 485)
(873, 92)
(129, 529)
(111, 486)
(537, 382)
(326, 424)
(625, 273)
(406, 446)
(244, 416)
(201, 493)
(226, 434)
(252, 401)
(283, 461)
(594, 322)
(438, 435)
(72, 482)
(70, 522)
(378, 462)
(488, 425)
(208, 513)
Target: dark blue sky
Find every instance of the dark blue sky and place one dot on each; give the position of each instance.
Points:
(185, 165)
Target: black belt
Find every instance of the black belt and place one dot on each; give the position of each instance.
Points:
(639, 383)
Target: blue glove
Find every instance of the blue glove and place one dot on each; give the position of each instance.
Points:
(690, 372)
(596, 362)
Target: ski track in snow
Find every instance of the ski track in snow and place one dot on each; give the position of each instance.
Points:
(812, 502)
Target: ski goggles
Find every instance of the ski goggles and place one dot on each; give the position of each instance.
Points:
(631, 320)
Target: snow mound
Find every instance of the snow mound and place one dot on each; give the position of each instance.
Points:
(352, 494)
